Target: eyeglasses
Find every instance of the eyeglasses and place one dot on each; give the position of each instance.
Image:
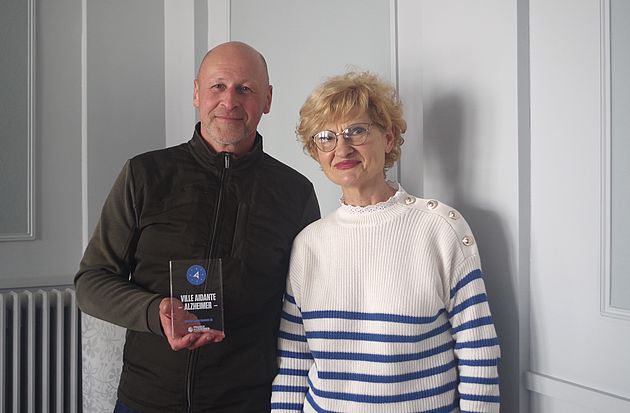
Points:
(354, 135)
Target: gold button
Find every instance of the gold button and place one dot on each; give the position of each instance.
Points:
(410, 200)
(432, 204)
(468, 241)
(452, 215)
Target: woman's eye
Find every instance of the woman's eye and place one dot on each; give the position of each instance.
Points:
(324, 137)
(355, 130)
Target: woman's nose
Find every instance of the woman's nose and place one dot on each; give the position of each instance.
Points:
(343, 147)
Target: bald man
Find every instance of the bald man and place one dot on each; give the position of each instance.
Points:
(218, 196)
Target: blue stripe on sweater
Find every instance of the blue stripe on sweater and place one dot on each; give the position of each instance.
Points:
(479, 380)
(444, 409)
(476, 299)
(382, 358)
(289, 389)
(355, 315)
(289, 298)
(480, 398)
(294, 355)
(473, 275)
(291, 337)
(483, 321)
(287, 406)
(486, 342)
(292, 372)
(479, 363)
(291, 318)
(381, 338)
(373, 378)
(396, 398)
(315, 406)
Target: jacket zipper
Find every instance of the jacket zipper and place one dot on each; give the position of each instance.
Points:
(194, 354)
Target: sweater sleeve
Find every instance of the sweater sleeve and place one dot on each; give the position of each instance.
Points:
(294, 356)
(102, 284)
(476, 342)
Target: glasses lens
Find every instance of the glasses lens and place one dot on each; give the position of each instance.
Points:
(325, 140)
(356, 134)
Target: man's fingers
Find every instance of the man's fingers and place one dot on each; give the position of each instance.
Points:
(169, 304)
(180, 339)
(212, 336)
(182, 343)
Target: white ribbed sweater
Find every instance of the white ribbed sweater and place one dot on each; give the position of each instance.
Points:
(386, 311)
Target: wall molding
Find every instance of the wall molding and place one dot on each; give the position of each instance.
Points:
(575, 393)
(219, 22)
(85, 227)
(394, 173)
(29, 232)
(408, 14)
(21, 282)
(607, 307)
(179, 70)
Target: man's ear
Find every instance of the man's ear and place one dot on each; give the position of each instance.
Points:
(268, 102)
(195, 100)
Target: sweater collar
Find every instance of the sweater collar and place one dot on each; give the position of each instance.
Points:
(215, 161)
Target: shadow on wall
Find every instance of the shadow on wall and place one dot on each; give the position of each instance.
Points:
(450, 151)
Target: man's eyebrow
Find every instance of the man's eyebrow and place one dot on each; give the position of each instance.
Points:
(238, 82)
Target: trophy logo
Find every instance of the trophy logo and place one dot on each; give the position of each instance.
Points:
(196, 274)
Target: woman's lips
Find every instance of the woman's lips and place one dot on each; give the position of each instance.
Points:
(349, 164)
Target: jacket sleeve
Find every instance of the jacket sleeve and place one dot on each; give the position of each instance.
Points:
(476, 342)
(311, 210)
(102, 284)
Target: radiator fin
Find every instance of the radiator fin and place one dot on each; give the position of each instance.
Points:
(39, 352)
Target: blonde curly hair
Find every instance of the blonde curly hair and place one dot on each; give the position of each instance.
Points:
(348, 95)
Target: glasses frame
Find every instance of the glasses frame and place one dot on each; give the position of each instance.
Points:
(345, 135)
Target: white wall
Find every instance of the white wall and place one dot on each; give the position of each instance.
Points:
(464, 74)
(53, 256)
(124, 91)
(471, 137)
(579, 355)
(304, 42)
(620, 167)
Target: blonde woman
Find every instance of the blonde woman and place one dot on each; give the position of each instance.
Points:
(386, 308)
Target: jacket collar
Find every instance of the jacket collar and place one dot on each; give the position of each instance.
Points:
(208, 158)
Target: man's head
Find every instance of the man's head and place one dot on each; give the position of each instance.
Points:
(232, 92)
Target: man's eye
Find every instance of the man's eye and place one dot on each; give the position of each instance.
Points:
(244, 89)
(218, 86)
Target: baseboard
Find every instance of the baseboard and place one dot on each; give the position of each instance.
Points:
(575, 393)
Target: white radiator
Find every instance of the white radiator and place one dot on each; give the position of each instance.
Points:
(39, 351)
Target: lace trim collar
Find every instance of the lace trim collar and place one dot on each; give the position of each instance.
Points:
(360, 210)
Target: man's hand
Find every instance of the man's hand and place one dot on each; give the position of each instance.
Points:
(175, 322)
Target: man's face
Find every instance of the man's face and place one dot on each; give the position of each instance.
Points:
(231, 94)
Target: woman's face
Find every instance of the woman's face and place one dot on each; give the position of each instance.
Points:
(357, 167)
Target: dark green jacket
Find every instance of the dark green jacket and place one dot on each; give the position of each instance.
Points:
(162, 207)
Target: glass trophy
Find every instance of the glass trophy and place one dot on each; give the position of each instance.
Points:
(197, 296)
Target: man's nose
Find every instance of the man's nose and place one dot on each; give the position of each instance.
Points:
(230, 98)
